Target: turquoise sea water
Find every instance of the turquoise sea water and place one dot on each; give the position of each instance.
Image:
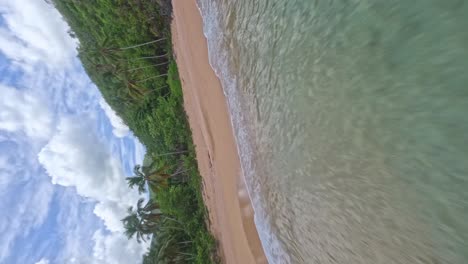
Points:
(352, 124)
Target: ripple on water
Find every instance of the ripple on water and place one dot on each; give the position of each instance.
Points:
(350, 118)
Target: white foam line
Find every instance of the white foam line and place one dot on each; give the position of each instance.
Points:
(269, 241)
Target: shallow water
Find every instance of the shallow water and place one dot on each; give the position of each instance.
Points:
(352, 124)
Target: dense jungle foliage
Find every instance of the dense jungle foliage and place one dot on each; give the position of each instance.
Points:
(125, 47)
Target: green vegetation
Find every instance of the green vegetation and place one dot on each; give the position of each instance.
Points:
(126, 50)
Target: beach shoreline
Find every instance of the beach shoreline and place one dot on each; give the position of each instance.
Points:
(230, 211)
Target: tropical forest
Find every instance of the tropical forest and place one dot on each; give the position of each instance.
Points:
(125, 47)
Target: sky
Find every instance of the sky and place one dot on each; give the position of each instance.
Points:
(64, 153)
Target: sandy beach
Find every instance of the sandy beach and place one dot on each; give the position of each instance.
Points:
(231, 213)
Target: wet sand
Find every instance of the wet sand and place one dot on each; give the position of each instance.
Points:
(230, 210)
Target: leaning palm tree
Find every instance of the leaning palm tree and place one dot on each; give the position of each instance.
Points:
(134, 90)
(153, 77)
(106, 47)
(142, 44)
(151, 57)
(108, 52)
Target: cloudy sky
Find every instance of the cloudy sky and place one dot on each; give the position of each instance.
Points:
(64, 154)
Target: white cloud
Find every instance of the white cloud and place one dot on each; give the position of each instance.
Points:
(75, 157)
(43, 261)
(120, 129)
(39, 34)
(77, 226)
(30, 210)
(25, 193)
(33, 38)
(140, 151)
(115, 248)
(24, 112)
(111, 213)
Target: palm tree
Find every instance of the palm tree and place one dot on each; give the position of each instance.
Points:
(133, 90)
(106, 52)
(169, 248)
(147, 213)
(101, 50)
(141, 176)
(149, 207)
(133, 225)
(105, 47)
(138, 179)
(154, 178)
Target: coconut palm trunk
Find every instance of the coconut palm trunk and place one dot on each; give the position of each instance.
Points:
(152, 217)
(151, 57)
(171, 153)
(179, 172)
(152, 77)
(142, 44)
(149, 66)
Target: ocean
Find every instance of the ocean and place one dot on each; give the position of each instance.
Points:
(351, 119)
